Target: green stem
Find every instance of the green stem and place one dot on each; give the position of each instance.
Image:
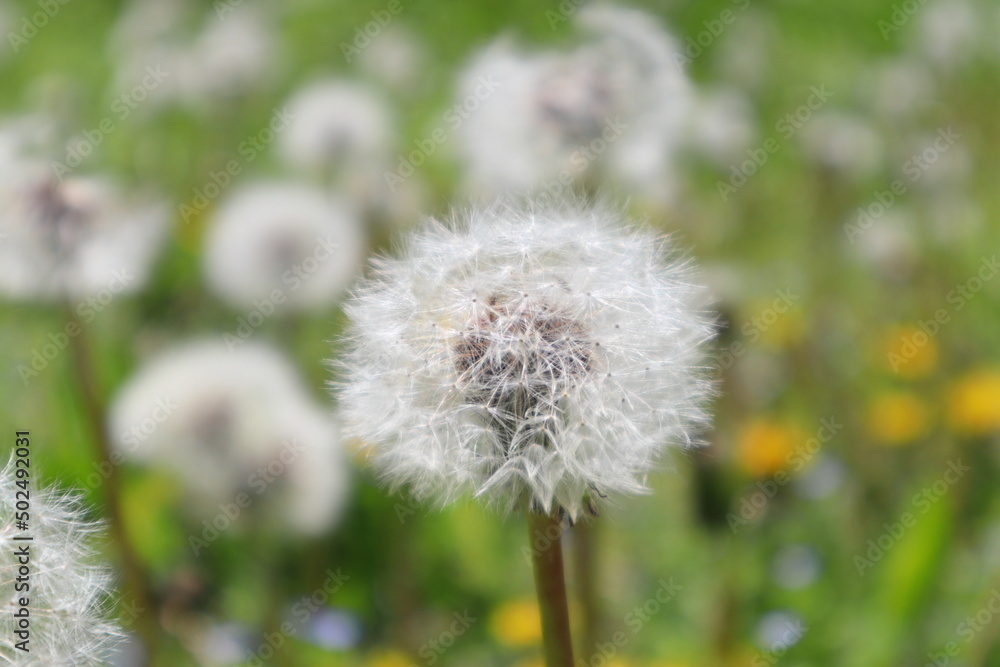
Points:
(585, 546)
(545, 542)
(146, 623)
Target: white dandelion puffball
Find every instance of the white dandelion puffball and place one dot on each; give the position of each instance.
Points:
(844, 142)
(70, 618)
(73, 239)
(288, 244)
(230, 421)
(397, 59)
(614, 107)
(337, 123)
(235, 51)
(951, 33)
(551, 355)
(722, 126)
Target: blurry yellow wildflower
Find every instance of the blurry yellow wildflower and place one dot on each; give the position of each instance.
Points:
(531, 662)
(911, 353)
(517, 623)
(974, 403)
(764, 446)
(898, 418)
(388, 658)
(786, 331)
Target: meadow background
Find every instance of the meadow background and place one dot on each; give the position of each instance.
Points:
(845, 509)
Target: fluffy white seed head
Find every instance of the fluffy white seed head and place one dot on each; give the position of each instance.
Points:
(613, 106)
(722, 126)
(899, 87)
(397, 59)
(235, 51)
(292, 238)
(510, 354)
(951, 33)
(70, 619)
(843, 142)
(339, 126)
(217, 418)
(72, 238)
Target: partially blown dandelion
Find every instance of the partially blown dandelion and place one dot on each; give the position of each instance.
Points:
(67, 601)
(518, 355)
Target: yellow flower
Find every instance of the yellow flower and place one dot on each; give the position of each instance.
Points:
(517, 623)
(898, 418)
(974, 403)
(531, 662)
(764, 446)
(389, 658)
(911, 353)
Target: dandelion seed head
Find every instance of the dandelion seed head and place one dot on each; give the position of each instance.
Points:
(615, 104)
(549, 354)
(71, 620)
(231, 54)
(337, 125)
(843, 142)
(950, 33)
(722, 126)
(396, 59)
(216, 418)
(71, 238)
(286, 238)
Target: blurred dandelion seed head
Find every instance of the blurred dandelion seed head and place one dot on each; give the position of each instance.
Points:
(283, 238)
(73, 236)
(230, 421)
(615, 105)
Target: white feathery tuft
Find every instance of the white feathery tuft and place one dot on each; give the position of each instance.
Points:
(70, 618)
(513, 354)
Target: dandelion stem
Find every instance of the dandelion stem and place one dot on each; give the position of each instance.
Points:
(585, 543)
(545, 540)
(94, 409)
